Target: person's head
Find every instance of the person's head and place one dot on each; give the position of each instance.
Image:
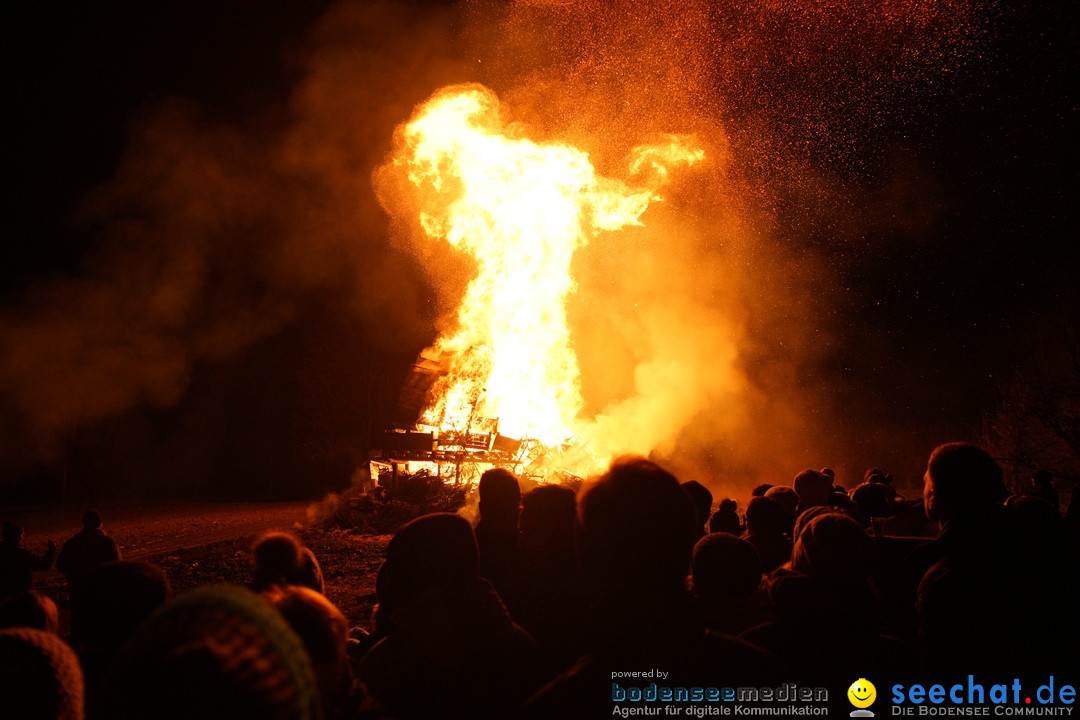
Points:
(765, 517)
(813, 487)
(834, 548)
(425, 553)
(214, 653)
(91, 520)
(40, 676)
(309, 574)
(874, 475)
(701, 499)
(806, 516)
(725, 567)
(760, 490)
(873, 500)
(726, 519)
(116, 598)
(323, 630)
(317, 621)
(12, 533)
(961, 480)
(500, 495)
(31, 608)
(277, 558)
(636, 530)
(547, 519)
(785, 497)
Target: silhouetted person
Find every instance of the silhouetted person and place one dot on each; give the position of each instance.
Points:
(549, 593)
(827, 615)
(726, 519)
(213, 653)
(834, 549)
(636, 532)
(873, 500)
(701, 499)
(1001, 578)
(310, 574)
(880, 477)
(497, 530)
(448, 642)
(40, 678)
(89, 548)
(726, 578)
(840, 500)
(115, 599)
(813, 487)
(786, 498)
(760, 490)
(17, 564)
(767, 527)
(32, 609)
(963, 491)
(281, 559)
(804, 519)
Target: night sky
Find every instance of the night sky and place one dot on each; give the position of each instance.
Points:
(950, 252)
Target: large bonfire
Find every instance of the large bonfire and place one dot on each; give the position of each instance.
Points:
(519, 209)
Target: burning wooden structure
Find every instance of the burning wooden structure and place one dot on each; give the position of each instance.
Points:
(501, 386)
(414, 455)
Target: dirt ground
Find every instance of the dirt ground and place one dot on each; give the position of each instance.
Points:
(203, 544)
(144, 531)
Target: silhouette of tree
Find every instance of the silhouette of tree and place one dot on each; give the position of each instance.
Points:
(1036, 424)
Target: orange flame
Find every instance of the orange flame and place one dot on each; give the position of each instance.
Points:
(520, 209)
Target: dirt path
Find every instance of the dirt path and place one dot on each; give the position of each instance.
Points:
(145, 531)
(206, 544)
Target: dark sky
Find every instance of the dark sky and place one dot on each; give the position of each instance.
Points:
(79, 75)
(952, 311)
(1000, 267)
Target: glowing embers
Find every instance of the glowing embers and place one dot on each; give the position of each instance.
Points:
(519, 209)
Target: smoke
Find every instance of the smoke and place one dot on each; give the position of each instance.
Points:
(218, 233)
(705, 337)
(161, 294)
(729, 365)
(708, 337)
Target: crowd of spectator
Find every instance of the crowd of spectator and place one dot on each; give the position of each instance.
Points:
(528, 614)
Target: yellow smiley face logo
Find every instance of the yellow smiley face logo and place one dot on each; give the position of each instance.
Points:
(862, 693)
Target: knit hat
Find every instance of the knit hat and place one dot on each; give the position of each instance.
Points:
(40, 677)
(214, 653)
